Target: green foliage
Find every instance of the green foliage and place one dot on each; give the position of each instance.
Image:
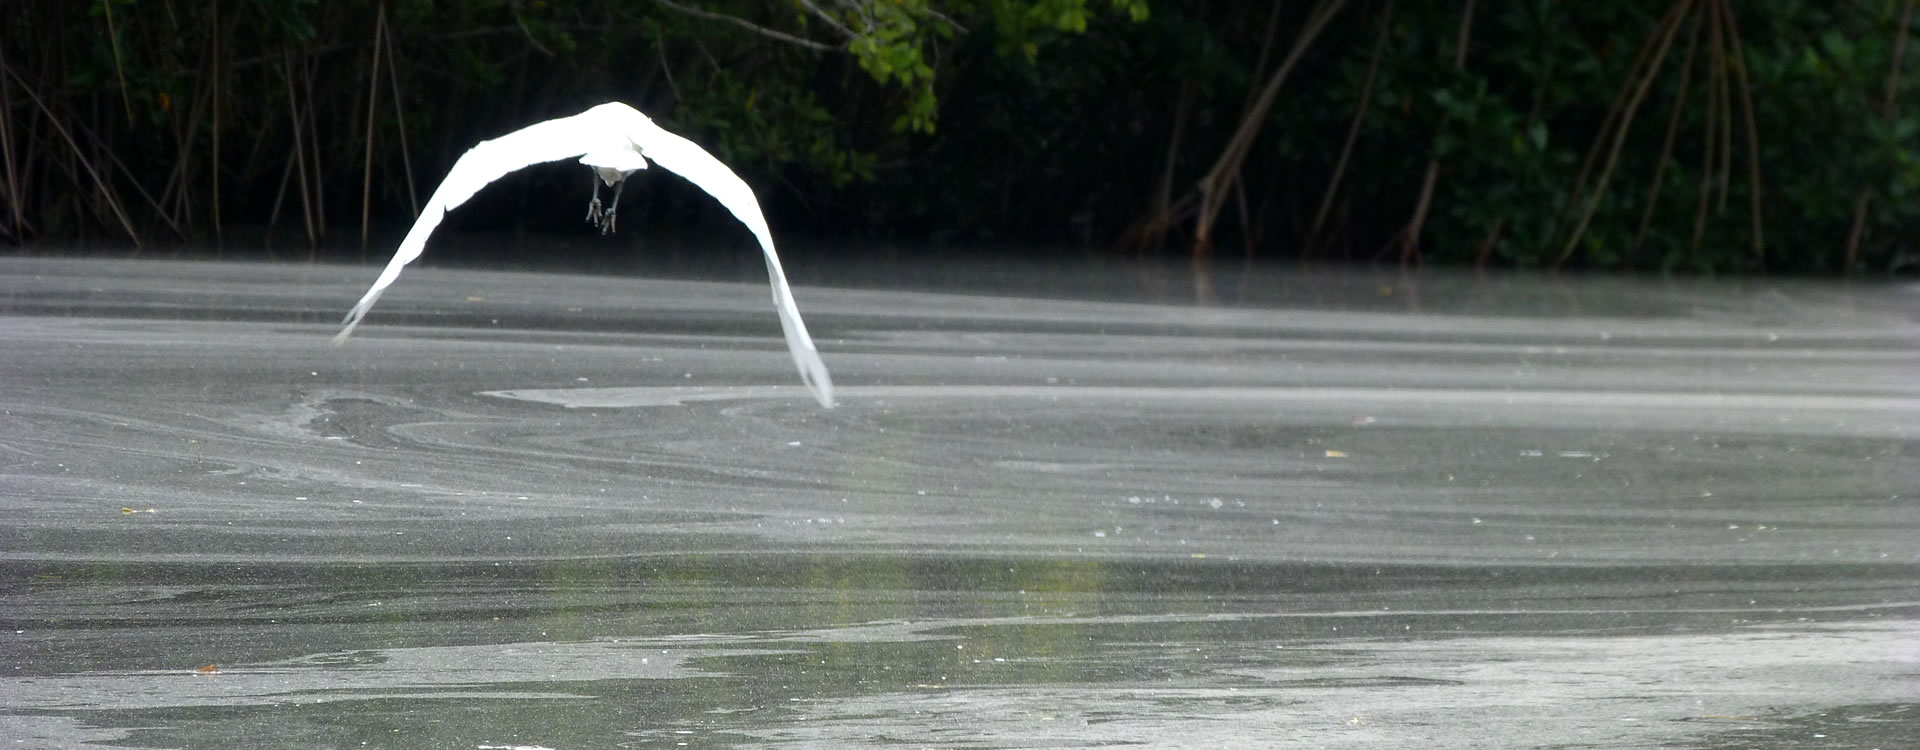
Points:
(894, 40)
(1041, 120)
(1512, 128)
(752, 122)
(891, 51)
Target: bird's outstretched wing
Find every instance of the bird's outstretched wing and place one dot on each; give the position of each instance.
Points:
(547, 141)
(689, 160)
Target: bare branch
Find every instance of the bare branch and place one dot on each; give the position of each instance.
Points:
(828, 17)
(373, 106)
(1213, 187)
(944, 18)
(1673, 132)
(1886, 113)
(1739, 57)
(750, 26)
(106, 191)
(528, 33)
(1662, 40)
(1353, 130)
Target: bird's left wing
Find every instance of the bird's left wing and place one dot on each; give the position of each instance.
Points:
(547, 141)
(689, 160)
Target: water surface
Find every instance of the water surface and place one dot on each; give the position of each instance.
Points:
(1127, 508)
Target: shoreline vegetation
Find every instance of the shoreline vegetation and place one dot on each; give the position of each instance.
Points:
(1699, 136)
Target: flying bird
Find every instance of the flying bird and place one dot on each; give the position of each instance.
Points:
(614, 140)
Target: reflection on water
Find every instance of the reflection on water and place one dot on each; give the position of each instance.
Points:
(832, 650)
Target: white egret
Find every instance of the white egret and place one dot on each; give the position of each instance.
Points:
(614, 140)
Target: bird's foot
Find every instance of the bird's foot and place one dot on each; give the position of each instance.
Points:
(601, 216)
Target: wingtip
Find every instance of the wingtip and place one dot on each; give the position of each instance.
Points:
(352, 319)
(823, 389)
(347, 324)
(814, 373)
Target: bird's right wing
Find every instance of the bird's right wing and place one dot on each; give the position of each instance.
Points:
(543, 142)
(689, 160)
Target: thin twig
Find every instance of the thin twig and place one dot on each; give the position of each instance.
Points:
(1266, 51)
(1574, 196)
(1756, 189)
(106, 191)
(1709, 145)
(132, 179)
(1226, 168)
(279, 198)
(527, 32)
(219, 238)
(180, 183)
(1673, 132)
(1886, 113)
(1360, 108)
(1154, 227)
(299, 148)
(1725, 115)
(400, 119)
(948, 20)
(119, 70)
(16, 211)
(1410, 245)
(373, 106)
(828, 17)
(660, 48)
(750, 26)
(1670, 28)
(318, 169)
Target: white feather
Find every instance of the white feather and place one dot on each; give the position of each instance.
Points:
(615, 140)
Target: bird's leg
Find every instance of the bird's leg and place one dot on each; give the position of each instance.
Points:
(606, 227)
(593, 207)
